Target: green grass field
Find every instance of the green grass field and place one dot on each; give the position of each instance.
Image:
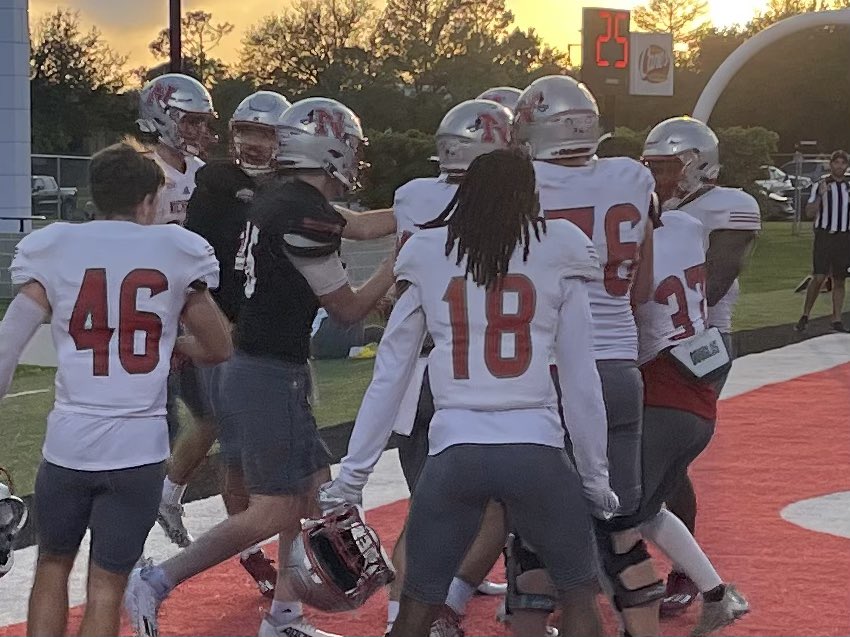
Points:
(779, 262)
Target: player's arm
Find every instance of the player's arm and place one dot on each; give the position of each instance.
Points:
(642, 287)
(372, 224)
(28, 310)
(727, 254)
(394, 367)
(329, 282)
(210, 340)
(581, 389)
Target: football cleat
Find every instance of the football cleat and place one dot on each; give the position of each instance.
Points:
(170, 518)
(299, 628)
(447, 624)
(260, 568)
(491, 588)
(717, 615)
(680, 594)
(142, 603)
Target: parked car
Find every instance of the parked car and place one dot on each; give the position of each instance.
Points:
(812, 169)
(49, 199)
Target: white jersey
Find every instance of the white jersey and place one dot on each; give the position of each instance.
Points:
(725, 209)
(677, 307)
(489, 369)
(421, 200)
(117, 290)
(174, 196)
(608, 199)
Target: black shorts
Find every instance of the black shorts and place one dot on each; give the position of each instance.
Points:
(118, 506)
(264, 403)
(672, 440)
(413, 449)
(831, 253)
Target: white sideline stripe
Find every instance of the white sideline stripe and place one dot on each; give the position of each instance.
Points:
(31, 392)
(387, 483)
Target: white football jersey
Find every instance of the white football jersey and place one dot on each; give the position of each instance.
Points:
(608, 199)
(492, 348)
(725, 209)
(421, 200)
(677, 307)
(117, 290)
(174, 196)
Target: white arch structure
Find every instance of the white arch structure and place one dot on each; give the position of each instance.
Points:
(740, 56)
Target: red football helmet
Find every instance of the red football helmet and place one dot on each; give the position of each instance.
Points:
(337, 562)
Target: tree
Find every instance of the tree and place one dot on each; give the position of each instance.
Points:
(685, 19)
(395, 159)
(414, 36)
(75, 79)
(199, 36)
(313, 45)
(61, 54)
(777, 10)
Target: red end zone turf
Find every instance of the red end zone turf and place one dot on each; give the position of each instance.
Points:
(774, 446)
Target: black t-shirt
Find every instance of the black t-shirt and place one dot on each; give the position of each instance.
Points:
(217, 211)
(279, 306)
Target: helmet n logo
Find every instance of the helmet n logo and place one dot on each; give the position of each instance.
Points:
(525, 109)
(329, 123)
(492, 126)
(161, 92)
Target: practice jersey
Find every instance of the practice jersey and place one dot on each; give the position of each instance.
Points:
(608, 199)
(677, 308)
(492, 348)
(421, 200)
(725, 209)
(117, 290)
(174, 196)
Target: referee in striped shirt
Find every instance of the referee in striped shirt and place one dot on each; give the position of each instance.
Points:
(829, 204)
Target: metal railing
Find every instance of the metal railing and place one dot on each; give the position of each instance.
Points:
(22, 220)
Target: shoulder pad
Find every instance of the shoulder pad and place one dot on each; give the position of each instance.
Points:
(309, 225)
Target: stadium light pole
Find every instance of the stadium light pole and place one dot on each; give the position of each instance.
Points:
(174, 36)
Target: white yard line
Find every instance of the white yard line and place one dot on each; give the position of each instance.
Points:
(31, 392)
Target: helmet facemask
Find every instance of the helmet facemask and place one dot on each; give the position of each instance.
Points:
(13, 516)
(254, 147)
(194, 131)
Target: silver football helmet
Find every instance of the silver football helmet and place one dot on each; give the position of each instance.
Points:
(13, 516)
(321, 133)
(470, 129)
(164, 104)
(687, 141)
(558, 118)
(337, 562)
(507, 96)
(253, 131)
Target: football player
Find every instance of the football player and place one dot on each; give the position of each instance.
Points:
(217, 211)
(683, 154)
(290, 259)
(178, 111)
(470, 129)
(500, 291)
(679, 357)
(114, 292)
(609, 200)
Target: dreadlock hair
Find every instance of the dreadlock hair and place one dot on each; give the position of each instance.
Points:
(494, 210)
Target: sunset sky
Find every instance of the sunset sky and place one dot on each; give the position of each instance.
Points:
(130, 24)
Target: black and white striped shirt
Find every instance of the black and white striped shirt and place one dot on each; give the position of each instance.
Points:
(833, 207)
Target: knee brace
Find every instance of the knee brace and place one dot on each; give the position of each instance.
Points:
(519, 559)
(620, 552)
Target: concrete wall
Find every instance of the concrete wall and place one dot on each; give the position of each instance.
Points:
(14, 113)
